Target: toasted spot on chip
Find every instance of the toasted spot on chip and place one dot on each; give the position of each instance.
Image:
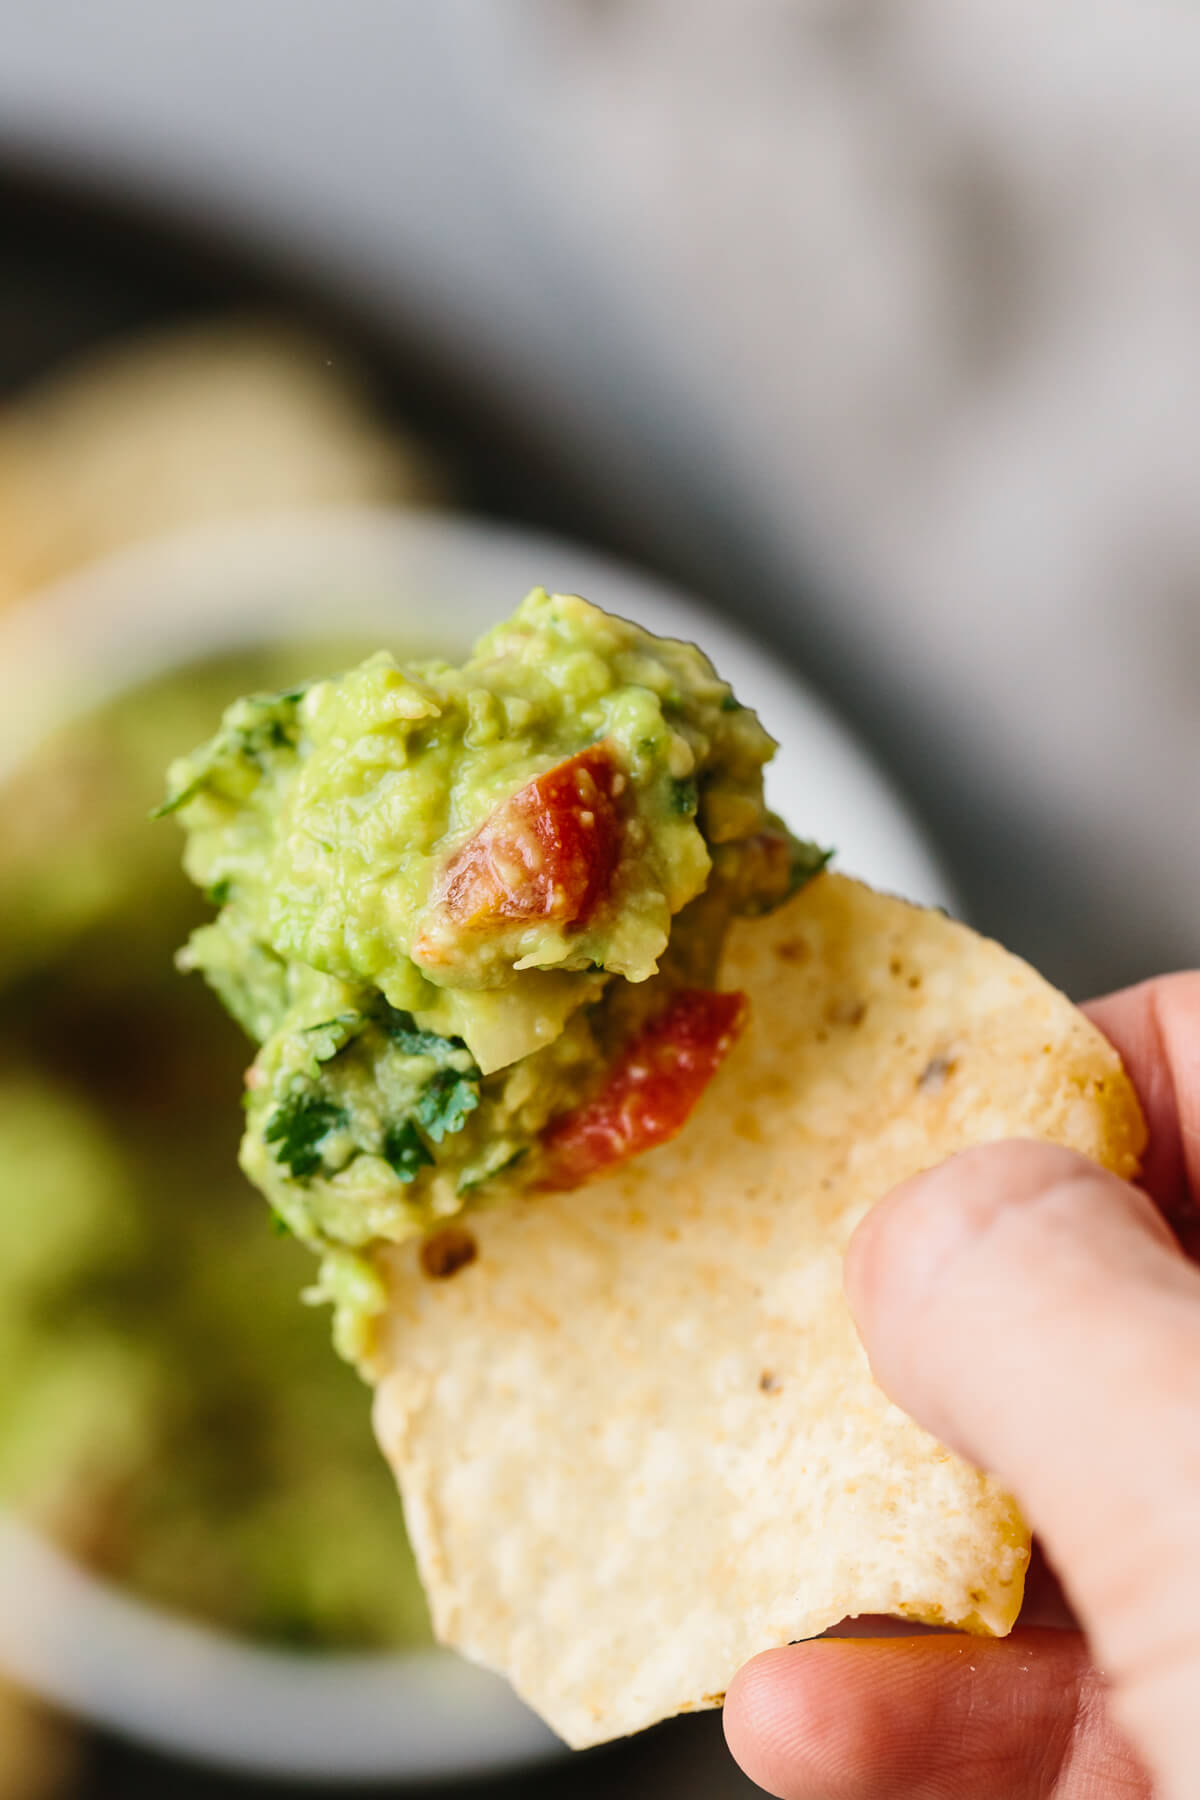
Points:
(447, 1251)
(934, 1075)
(793, 950)
(603, 1505)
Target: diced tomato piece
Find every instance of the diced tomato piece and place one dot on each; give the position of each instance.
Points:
(651, 1090)
(547, 853)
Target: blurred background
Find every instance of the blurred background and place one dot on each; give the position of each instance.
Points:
(874, 328)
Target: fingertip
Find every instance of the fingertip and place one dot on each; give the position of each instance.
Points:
(914, 1263)
(905, 1249)
(834, 1716)
(754, 1711)
(792, 1723)
(1155, 1028)
(869, 1719)
(1030, 1309)
(905, 1242)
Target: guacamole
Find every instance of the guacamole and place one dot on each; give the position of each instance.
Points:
(472, 916)
(168, 1413)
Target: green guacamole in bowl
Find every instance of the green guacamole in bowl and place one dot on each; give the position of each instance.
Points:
(169, 1413)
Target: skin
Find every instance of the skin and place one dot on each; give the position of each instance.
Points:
(1040, 1317)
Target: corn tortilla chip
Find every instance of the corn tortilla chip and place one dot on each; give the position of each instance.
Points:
(171, 429)
(636, 1434)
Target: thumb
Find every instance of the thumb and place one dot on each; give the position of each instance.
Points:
(1033, 1312)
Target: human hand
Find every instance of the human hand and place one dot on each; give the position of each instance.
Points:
(1036, 1314)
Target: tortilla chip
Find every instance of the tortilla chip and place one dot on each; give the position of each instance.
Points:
(38, 1749)
(200, 422)
(636, 1434)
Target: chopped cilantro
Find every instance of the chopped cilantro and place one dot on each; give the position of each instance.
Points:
(807, 860)
(299, 1125)
(331, 1036)
(406, 1150)
(684, 798)
(251, 730)
(180, 797)
(219, 892)
(731, 703)
(470, 1179)
(445, 1102)
(408, 1036)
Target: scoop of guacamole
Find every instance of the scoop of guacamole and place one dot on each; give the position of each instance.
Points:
(472, 915)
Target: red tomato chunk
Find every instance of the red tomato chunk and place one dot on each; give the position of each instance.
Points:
(547, 853)
(651, 1090)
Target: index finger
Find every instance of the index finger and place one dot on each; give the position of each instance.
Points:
(1155, 1027)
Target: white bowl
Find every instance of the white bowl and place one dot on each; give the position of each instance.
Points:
(425, 583)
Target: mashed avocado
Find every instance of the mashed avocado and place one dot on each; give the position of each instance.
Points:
(459, 908)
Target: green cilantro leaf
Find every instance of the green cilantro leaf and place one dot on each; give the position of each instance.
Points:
(180, 797)
(331, 1036)
(251, 730)
(406, 1151)
(445, 1102)
(807, 860)
(408, 1036)
(299, 1125)
(685, 798)
(470, 1179)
